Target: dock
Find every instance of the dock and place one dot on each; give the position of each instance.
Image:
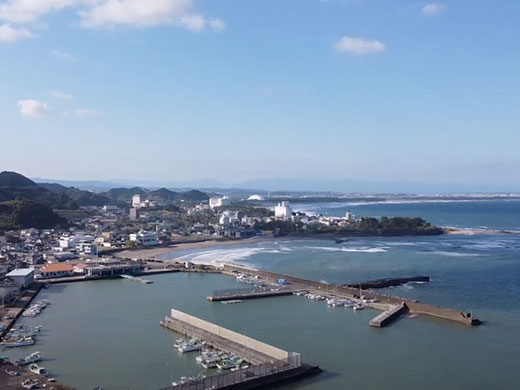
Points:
(243, 295)
(269, 364)
(388, 316)
(384, 302)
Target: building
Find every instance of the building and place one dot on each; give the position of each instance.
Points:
(72, 241)
(136, 201)
(134, 213)
(87, 248)
(144, 238)
(283, 211)
(228, 218)
(219, 202)
(349, 216)
(258, 198)
(57, 270)
(23, 277)
(110, 208)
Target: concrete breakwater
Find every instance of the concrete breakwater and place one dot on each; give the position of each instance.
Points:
(413, 306)
(388, 282)
(269, 364)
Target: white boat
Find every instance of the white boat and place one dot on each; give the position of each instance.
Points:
(32, 358)
(30, 383)
(37, 369)
(189, 347)
(17, 342)
(359, 306)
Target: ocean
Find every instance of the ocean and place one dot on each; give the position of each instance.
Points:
(106, 332)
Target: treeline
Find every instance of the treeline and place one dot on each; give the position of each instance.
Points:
(25, 213)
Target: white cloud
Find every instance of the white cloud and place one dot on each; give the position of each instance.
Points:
(358, 46)
(12, 34)
(63, 55)
(86, 112)
(61, 95)
(33, 108)
(113, 13)
(433, 9)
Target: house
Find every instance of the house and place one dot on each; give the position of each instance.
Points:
(23, 277)
(283, 210)
(144, 238)
(57, 270)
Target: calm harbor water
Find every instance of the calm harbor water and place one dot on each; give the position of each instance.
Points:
(107, 333)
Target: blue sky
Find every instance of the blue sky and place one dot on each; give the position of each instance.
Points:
(234, 90)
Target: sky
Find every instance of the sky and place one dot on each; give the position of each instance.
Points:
(234, 91)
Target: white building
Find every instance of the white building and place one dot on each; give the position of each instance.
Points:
(144, 238)
(219, 202)
(23, 277)
(228, 218)
(256, 197)
(349, 216)
(283, 210)
(87, 248)
(72, 241)
(136, 201)
(108, 208)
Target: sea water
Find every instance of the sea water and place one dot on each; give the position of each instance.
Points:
(107, 333)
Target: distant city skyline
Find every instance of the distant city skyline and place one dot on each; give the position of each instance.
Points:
(403, 95)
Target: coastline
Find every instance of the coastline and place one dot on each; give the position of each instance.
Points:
(154, 252)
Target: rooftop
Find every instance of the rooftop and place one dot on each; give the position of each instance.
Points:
(20, 272)
(57, 267)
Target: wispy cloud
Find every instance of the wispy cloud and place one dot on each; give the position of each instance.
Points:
(13, 34)
(33, 108)
(63, 55)
(61, 95)
(433, 9)
(358, 46)
(86, 112)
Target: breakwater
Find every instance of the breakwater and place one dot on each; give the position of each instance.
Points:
(414, 306)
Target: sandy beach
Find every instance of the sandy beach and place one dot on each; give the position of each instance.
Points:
(151, 253)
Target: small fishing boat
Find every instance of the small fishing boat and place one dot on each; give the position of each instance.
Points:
(37, 369)
(12, 372)
(30, 383)
(32, 358)
(17, 342)
(359, 306)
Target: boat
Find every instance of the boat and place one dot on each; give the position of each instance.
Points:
(17, 342)
(232, 301)
(30, 383)
(12, 372)
(189, 347)
(37, 369)
(32, 358)
(359, 306)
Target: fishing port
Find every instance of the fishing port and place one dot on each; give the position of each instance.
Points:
(267, 366)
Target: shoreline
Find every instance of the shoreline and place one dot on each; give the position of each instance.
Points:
(155, 252)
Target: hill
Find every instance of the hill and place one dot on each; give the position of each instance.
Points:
(15, 180)
(21, 214)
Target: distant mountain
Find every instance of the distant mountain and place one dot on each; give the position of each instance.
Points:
(124, 194)
(193, 195)
(163, 194)
(15, 180)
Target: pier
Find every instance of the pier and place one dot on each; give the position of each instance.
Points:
(388, 316)
(384, 302)
(269, 364)
(243, 294)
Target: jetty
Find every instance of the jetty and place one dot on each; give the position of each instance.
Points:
(243, 294)
(388, 316)
(388, 282)
(269, 364)
(381, 301)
